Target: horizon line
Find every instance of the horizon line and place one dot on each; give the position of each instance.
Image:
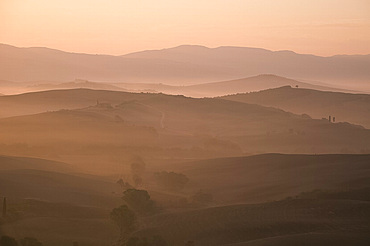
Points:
(178, 46)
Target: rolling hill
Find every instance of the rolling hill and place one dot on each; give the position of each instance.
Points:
(256, 83)
(15, 162)
(353, 108)
(77, 84)
(72, 207)
(297, 221)
(45, 196)
(161, 127)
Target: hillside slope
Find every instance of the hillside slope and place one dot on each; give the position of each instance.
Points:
(161, 127)
(353, 108)
(332, 219)
(275, 176)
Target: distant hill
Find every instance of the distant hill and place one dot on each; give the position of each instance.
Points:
(54, 65)
(353, 108)
(256, 83)
(181, 65)
(74, 85)
(245, 62)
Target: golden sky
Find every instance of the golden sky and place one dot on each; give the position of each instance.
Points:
(321, 27)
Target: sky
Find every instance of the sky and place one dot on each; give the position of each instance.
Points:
(117, 27)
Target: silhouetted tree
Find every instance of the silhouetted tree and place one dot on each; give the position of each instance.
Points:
(137, 171)
(138, 181)
(30, 241)
(124, 218)
(8, 241)
(4, 207)
(171, 180)
(139, 200)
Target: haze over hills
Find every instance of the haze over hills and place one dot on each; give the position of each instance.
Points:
(256, 83)
(160, 127)
(185, 145)
(251, 61)
(77, 84)
(181, 65)
(354, 108)
(75, 207)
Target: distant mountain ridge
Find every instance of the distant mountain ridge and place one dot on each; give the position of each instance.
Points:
(182, 65)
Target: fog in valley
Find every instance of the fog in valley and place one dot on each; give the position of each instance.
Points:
(219, 143)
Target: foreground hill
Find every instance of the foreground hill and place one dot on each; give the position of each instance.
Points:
(353, 108)
(275, 176)
(14, 162)
(337, 222)
(74, 207)
(178, 66)
(42, 197)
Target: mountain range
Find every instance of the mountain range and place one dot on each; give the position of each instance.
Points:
(182, 65)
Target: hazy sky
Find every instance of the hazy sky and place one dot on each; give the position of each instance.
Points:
(323, 27)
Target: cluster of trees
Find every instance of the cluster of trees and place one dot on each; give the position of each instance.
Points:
(138, 203)
(138, 167)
